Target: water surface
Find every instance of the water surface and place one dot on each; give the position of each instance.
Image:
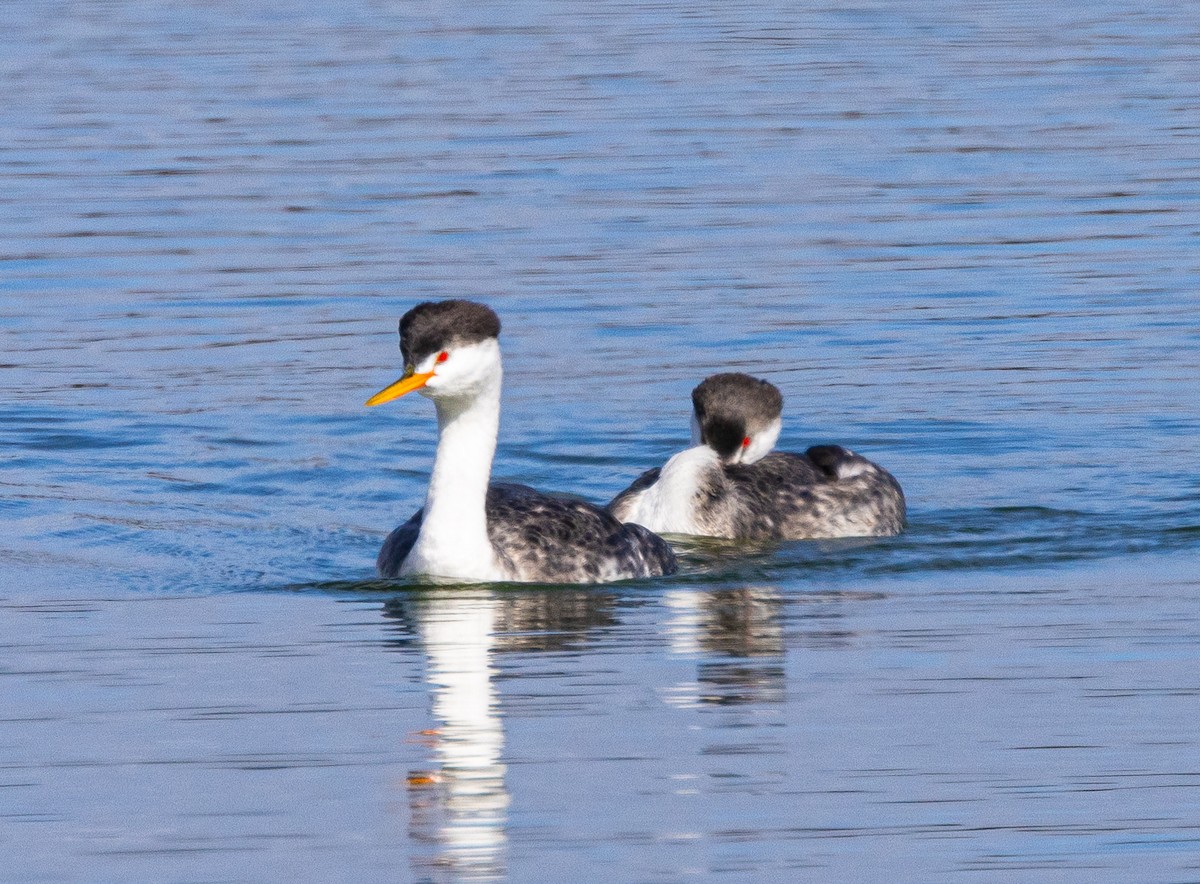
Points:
(962, 241)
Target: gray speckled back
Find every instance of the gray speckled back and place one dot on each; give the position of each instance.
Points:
(540, 538)
(827, 492)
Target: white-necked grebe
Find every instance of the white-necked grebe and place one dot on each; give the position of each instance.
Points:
(472, 529)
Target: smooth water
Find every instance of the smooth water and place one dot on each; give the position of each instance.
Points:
(963, 239)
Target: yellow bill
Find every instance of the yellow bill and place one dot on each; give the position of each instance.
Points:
(406, 384)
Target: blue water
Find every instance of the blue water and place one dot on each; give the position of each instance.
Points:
(962, 240)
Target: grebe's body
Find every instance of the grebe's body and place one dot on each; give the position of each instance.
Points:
(783, 496)
(539, 538)
(732, 485)
(469, 528)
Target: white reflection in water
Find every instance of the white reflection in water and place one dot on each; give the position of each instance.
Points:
(728, 629)
(462, 808)
(684, 618)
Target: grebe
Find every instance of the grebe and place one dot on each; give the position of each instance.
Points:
(732, 485)
(473, 530)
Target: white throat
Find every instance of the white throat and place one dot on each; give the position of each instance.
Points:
(453, 542)
(669, 505)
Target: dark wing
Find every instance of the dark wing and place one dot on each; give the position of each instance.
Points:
(792, 469)
(827, 458)
(766, 493)
(623, 502)
(827, 492)
(563, 540)
(397, 546)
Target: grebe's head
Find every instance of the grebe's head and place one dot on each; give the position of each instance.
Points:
(737, 416)
(450, 349)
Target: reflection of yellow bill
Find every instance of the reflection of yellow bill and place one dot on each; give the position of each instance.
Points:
(406, 384)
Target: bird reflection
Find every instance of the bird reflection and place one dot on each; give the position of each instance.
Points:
(738, 634)
(553, 620)
(459, 809)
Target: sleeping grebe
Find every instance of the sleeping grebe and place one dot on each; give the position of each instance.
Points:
(730, 484)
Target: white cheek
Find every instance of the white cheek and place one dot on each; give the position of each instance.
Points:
(431, 386)
(762, 443)
(468, 369)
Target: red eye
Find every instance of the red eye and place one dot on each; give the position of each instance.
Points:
(443, 356)
(746, 442)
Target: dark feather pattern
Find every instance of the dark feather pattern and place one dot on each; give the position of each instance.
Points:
(436, 325)
(827, 492)
(730, 405)
(539, 538)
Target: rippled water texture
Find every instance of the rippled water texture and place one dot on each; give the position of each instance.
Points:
(962, 238)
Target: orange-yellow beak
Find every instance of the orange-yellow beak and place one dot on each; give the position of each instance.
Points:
(406, 384)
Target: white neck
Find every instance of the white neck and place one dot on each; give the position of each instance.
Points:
(453, 542)
(669, 505)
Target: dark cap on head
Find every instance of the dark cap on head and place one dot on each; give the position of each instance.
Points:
(436, 325)
(731, 406)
